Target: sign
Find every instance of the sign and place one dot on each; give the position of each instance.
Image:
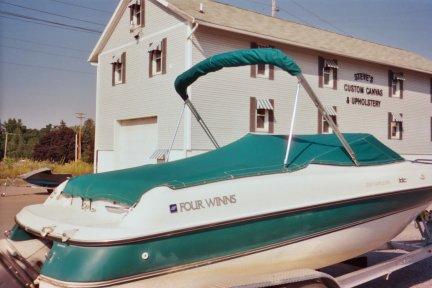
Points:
(363, 102)
(363, 90)
(363, 77)
(202, 204)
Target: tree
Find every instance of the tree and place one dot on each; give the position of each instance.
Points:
(21, 140)
(88, 136)
(57, 145)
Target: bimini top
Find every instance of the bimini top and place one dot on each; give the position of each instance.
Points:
(234, 59)
(251, 155)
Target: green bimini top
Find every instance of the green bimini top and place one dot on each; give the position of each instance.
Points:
(235, 58)
(252, 155)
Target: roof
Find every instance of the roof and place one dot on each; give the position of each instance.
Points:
(252, 155)
(230, 18)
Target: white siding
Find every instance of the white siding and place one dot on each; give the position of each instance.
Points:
(141, 96)
(223, 97)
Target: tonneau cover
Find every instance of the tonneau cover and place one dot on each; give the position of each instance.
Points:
(254, 154)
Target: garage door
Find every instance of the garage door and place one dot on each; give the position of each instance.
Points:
(137, 139)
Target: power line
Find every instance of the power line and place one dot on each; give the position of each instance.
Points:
(50, 13)
(42, 52)
(82, 6)
(21, 16)
(319, 17)
(44, 44)
(45, 67)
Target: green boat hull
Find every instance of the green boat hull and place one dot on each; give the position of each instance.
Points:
(79, 263)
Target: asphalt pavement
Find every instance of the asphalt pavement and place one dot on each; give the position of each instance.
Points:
(418, 275)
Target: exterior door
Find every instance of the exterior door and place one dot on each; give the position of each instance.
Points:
(136, 139)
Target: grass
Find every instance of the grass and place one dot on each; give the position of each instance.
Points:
(11, 168)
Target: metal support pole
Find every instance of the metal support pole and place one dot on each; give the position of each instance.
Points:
(175, 133)
(329, 120)
(5, 146)
(201, 122)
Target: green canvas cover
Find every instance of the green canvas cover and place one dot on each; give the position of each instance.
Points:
(254, 154)
(234, 59)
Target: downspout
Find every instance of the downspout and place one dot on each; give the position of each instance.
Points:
(187, 142)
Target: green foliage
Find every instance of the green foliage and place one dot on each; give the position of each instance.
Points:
(58, 145)
(88, 137)
(12, 168)
(52, 143)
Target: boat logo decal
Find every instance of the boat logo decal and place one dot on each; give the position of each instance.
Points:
(203, 203)
(402, 180)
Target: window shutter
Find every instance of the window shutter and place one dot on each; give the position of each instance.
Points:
(320, 122)
(164, 54)
(335, 76)
(337, 120)
(401, 88)
(320, 72)
(113, 74)
(271, 72)
(389, 120)
(142, 13)
(271, 117)
(123, 67)
(252, 114)
(390, 83)
(150, 64)
(253, 68)
(402, 130)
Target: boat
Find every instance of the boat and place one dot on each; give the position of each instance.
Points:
(44, 178)
(265, 203)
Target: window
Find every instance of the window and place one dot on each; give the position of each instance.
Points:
(136, 9)
(323, 126)
(396, 84)
(327, 72)
(395, 126)
(326, 126)
(157, 62)
(261, 115)
(262, 120)
(157, 58)
(119, 70)
(262, 70)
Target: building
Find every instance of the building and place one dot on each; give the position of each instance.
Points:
(366, 87)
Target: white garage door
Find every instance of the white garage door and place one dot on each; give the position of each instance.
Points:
(137, 139)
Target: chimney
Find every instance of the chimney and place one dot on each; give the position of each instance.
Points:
(201, 8)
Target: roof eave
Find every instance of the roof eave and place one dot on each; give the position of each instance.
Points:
(115, 18)
(281, 40)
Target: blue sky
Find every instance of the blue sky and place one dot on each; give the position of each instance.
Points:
(47, 78)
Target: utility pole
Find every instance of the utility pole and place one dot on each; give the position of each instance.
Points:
(275, 8)
(5, 146)
(80, 116)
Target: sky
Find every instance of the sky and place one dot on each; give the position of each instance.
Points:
(45, 76)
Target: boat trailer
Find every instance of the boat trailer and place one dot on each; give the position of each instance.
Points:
(308, 278)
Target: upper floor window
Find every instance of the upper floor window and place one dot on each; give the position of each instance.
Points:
(261, 115)
(324, 126)
(262, 70)
(327, 72)
(395, 126)
(396, 81)
(157, 57)
(119, 70)
(136, 10)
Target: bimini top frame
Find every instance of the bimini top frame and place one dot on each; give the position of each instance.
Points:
(251, 57)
